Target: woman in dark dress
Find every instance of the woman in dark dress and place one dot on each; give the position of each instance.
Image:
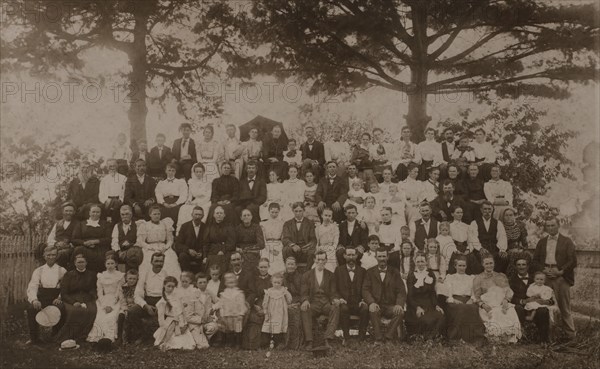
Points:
(250, 239)
(516, 236)
(252, 337)
(218, 240)
(462, 313)
(423, 314)
(92, 239)
(292, 281)
(78, 294)
(225, 193)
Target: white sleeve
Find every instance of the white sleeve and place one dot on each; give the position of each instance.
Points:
(158, 193)
(139, 293)
(52, 237)
(115, 239)
(183, 192)
(501, 236)
(103, 191)
(473, 236)
(33, 286)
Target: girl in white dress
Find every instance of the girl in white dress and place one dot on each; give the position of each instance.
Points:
(293, 191)
(200, 189)
(310, 197)
(173, 332)
(328, 236)
(357, 194)
(539, 290)
(412, 189)
(110, 302)
(398, 204)
(274, 195)
(447, 246)
(437, 264)
(156, 235)
(273, 250)
(498, 192)
(209, 154)
(370, 215)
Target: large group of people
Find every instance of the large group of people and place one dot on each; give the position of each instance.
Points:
(259, 242)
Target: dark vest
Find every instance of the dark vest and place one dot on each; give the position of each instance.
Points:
(488, 238)
(62, 234)
(445, 154)
(420, 235)
(131, 236)
(319, 294)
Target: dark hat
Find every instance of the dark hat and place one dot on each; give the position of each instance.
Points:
(104, 345)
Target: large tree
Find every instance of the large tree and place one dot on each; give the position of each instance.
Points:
(424, 47)
(169, 45)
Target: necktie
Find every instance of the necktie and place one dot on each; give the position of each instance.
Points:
(171, 180)
(387, 223)
(160, 153)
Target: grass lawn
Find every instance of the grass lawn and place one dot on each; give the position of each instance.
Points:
(582, 353)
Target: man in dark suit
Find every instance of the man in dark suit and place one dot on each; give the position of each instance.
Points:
(313, 153)
(124, 240)
(188, 244)
(319, 297)
(348, 281)
(447, 200)
(158, 158)
(61, 234)
(184, 152)
(139, 191)
(383, 290)
(555, 256)
(272, 152)
(332, 192)
(253, 192)
(352, 235)
(84, 190)
(424, 228)
(141, 152)
(298, 237)
(518, 284)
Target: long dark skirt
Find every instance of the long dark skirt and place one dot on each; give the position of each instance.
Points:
(429, 325)
(294, 336)
(78, 322)
(252, 337)
(464, 321)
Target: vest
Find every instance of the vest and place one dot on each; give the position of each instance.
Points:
(420, 235)
(445, 153)
(131, 236)
(319, 294)
(488, 239)
(62, 234)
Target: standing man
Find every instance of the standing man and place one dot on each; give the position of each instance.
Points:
(273, 147)
(233, 151)
(158, 158)
(319, 297)
(313, 153)
(425, 228)
(112, 192)
(555, 256)
(349, 280)
(253, 192)
(383, 290)
(380, 154)
(188, 243)
(338, 151)
(124, 240)
(332, 191)
(352, 235)
(83, 190)
(448, 145)
(140, 153)
(184, 152)
(490, 234)
(139, 191)
(298, 237)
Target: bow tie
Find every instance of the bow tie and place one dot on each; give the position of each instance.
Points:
(524, 278)
(298, 222)
(382, 270)
(387, 223)
(350, 270)
(250, 180)
(171, 180)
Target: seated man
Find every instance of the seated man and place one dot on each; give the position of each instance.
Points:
(383, 290)
(139, 191)
(148, 292)
(424, 228)
(332, 192)
(349, 280)
(61, 234)
(44, 290)
(83, 190)
(352, 235)
(298, 237)
(489, 233)
(124, 239)
(189, 242)
(447, 200)
(313, 153)
(112, 192)
(338, 151)
(253, 192)
(519, 283)
(319, 297)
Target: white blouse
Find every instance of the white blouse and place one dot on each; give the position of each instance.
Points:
(498, 189)
(459, 284)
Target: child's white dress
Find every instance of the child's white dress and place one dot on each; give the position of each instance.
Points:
(368, 260)
(328, 237)
(545, 293)
(353, 193)
(273, 250)
(274, 195)
(497, 323)
(172, 317)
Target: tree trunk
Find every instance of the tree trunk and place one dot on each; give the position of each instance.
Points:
(136, 96)
(417, 118)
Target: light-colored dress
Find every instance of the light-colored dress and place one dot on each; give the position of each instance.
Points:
(398, 206)
(368, 260)
(412, 190)
(209, 154)
(310, 203)
(274, 195)
(499, 325)
(371, 217)
(499, 190)
(198, 195)
(275, 304)
(152, 237)
(439, 269)
(542, 292)
(328, 237)
(353, 193)
(169, 318)
(447, 247)
(429, 191)
(196, 311)
(232, 307)
(110, 294)
(273, 250)
(292, 191)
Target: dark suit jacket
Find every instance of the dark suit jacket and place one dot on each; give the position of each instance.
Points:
(81, 196)
(373, 288)
(245, 283)
(135, 156)
(257, 195)
(359, 236)
(309, 285)
(177, 150)
(566, 260)
(344, 285)
(135, 192)
(186, 239)
(439, 203)
(291, 235)
(338, 191)
(317, 153)
(519, 288)
(156, 165)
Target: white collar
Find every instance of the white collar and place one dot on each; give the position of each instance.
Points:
(93, 223)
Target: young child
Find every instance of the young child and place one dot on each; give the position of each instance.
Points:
(447, 246)
(356, 195)
(214, 284)
(293, 156)
(275, 306)
(187, 291)
(274, 195)
(405, 233)
(310, 197)
(197, 312)
(437, 264)
(232, 307)
(328, 236)
(398, 205)
(368, 259)
(370, 215)
(272, 230)
(540, 290)
(131, 279)
(173, 332)
(374, 191)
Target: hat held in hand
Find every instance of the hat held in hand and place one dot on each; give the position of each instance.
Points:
(48, 316)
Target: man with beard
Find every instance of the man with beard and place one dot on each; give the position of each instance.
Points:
(349, 280)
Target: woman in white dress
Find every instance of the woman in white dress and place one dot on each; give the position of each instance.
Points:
(328, 236)
(293, 191)
(156, 235)
(272, 229)
(173, 332)
(210, 154)
(412, 190)
(498, 192)
(430, 188)
(274, 195)
(200, 189)
(110, 302)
